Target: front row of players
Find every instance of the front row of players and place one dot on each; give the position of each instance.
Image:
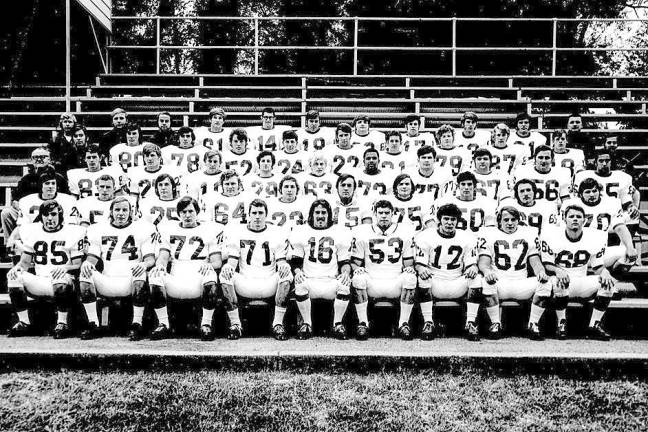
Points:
(318, 260)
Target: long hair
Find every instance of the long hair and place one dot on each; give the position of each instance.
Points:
(46, 207)
(327, 206)
(119, 200)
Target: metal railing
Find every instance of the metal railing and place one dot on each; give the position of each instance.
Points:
(357, 48)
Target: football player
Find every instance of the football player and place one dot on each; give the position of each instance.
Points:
(414, 139)
(194, 251)
(471, 137)
(343, 157)
(28, 206)
(161, 206)
(524, 135)
(289, 208)
(450, 155)
(56, 250)
(431, 178)
(127, 250)
(349, 209)
(318, 181)
(228, 204)
(506, 157)
(408, 206)
(141, 178)
(363, 136)
(81, 181)
(237, 156)
(536, 213)
(186, 156)
(198, 183)
(320, 262)
(505, 253)
(267, 136)
(258, 250)
(553, 182)
(314, 137)
(214, 136)
(264, 182)
(382, 259)
(573, 159)
(491, 183)
(395, 158)
(290, 159)
(95, 209)
(126, 155)
(372, 180)
(568, 252)
(446, 263)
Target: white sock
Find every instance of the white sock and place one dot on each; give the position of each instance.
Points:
(597, 315)
(208, 315)
(61, 317)
(426, 310)
(535, 314)
(339, 309)
(162, 315)
(233, 316)
(471, 311)
(305, 311)
(138, 314)
(494, 314)
(361, 309)
(405, 312)
(279, 313)
(561, 315)
(24, 316)
(91, 312)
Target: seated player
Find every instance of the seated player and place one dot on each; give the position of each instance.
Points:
(256, 268)
(343, 157)
(237, 155)
(127, 251)
(448, 154)
(186, 156)
(320, 262)
(395, 157)
(536, 213)
(524, 135)
(492, 182)
(267, 136)
(318, 181)
(290, 208)
(162, 205)
(414, 139)
(94, 209)
(573, 159)
(553, 182)
(363, 136)
(314, 136)
(228, 204)
(477, 211)
(194, 250)
(141, 178)
(56, 250)
(128, 154)
(28, 206)
(431, 178)
(446, 263)
(265, 180)
(505, 254)
(604, 214)
(568, 252)
(290, 159)
(506, 156)
(81, 181)
(350, 209)
(373, 180)
(198, 183)
(471, 137)
(408, 206)
(214, 136)
(164, 135)
(382, 258)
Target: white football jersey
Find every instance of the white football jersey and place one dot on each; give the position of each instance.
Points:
(187, 160)
(290, 214)
(374, 139)
(508, 158)
(573, 160)
(262, 187)
(83, 183)
(29, 205)
(617, 185)
(378, 184)
(341, 161)
(291, 163)
(243, 163)
(604, 216)
(551, 186)
(494, 185)
(383, 253)
(352, 214)
(225, 210)
(190, 247)
(534, 140)
(475, 214)
(447, 257)
(457, 159)
(154, 210)
(440, 182)
(257, 251)
(119, 248)
(322, 249)
(198, 183)
(397, 162)
(266, 139)
(313, 141)
(141, 182)
(509, 253)
(50, 250)
(212, 140)
(575, 257)
(412, 143)
(540, 215)
(317, 187)
(92, 210)
(417, 210)
(481, 138)
(125, 156)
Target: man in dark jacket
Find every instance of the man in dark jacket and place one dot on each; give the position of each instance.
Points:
(71, 155)
(116, 135)
(164, 136)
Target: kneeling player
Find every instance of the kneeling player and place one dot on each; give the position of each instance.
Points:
(503, 255)
(446, 263)
(56, 249)
(568, 253)
(320, 260)
(382, 259)
(258, 250)
(194, 251)
(127, 250)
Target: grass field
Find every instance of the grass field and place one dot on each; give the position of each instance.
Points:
(276, 401)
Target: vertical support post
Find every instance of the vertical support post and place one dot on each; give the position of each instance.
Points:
(355, 46)
(108, 65)
(304, 97)
(68, 54)
(256, 46)
(553, 47)
(454, 47)
(157, 45)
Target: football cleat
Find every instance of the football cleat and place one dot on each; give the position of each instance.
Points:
(362, 332)
(561, 330)
(495, 331)
(533, 331)
(279, 332)
(339, 331)
(160, 332)
(404, 332)
(304, 332)
(61, 331)
(234, 332)
(90, 332)
(472, 333)
(206, 332)
(597, 332)
(136, 332)
(428, 331)
(19, 329)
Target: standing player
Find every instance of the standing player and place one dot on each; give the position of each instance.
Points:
(56, 250)
(314, 137)
(446, 264)
(186, 156)
(141, 178)
(450, 155)
(127, 250)
(94, 209)
(81, 181)
(382, 259)
(535, 213)
(320, 262)
(568, 253)
(194, 250)
(394, 157)
(372, 180)
(290, 159)
(237, 156)
(363, 136)
(505, 254)
(28, 206)
(198, 183)
(408, 206)
(506, 156)
(431, 178)
(471, 137)
(265, 180)
(227, 205)
(267, 136)
(573, 159)
(524, 135)
(343, 157)
(553, 183)
(491, 183)
(289, 208)
(258, 250)
(318, 181)
(350, 209)
(215, 136)
(414, 139)
(126, 155)
(162, 205)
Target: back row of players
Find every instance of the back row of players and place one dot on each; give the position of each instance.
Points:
(242, 228)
